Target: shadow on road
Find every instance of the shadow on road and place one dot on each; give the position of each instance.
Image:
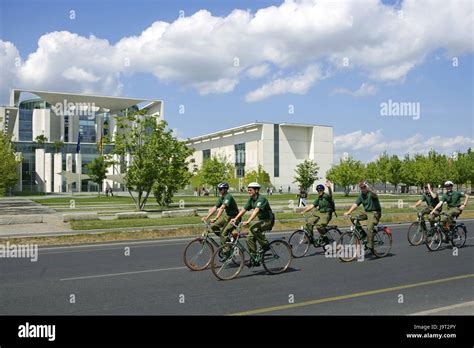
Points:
(264, 272)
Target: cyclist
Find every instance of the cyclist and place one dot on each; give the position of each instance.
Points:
(226, 203)
(325, 207)
(373, 210)
(431, 198)
(261, 208)
(453, 200)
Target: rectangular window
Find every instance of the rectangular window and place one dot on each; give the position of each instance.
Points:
(240, 160)
(206, 154)
(276, 150)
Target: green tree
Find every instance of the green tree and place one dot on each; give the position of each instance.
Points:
(215, 170)
(408, 171)
(371, 173)
(383, 168)
(393, 168)
(58, 145)
(155, 155)
(97, 171)
(347, 172)
(306, 174)
(259, 175)
(463, 168)
(41, 140)
(8, 165)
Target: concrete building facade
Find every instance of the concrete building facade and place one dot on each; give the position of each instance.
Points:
(65, 118)
(279, 148)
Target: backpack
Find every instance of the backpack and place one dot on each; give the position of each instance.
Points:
(272, 219)
(332, 205)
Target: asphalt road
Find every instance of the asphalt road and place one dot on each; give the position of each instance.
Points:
(153, 280)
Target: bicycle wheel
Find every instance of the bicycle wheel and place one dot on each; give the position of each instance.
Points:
(278, 258)
(299, 242)
(459, 236)
(434, 238)
(197, 254)
(348, 246)
(227, 264)
(333, 236)
(416, 233)
(382, 242)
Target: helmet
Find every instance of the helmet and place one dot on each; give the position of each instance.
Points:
(223, 185)
(448, 183)
(254, 185)
(320, 187)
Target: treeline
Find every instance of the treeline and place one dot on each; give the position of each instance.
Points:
(413, 170)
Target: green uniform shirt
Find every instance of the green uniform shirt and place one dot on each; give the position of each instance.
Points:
(453, 199)
(432, 202)
(323, 203)
(369, 202)
(231, 208)
(262, 203)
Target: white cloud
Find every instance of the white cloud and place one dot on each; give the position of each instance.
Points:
(200, 50)
(374, 143)
(258, 71)
(298, 84)
(363, 91)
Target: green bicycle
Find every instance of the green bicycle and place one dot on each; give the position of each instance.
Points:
(351, 241)
(456, 234)
(198, 253)
(303, 238)
(228, 261)
(417, 231)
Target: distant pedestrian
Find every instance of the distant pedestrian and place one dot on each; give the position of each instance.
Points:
(289, 189)
(302, 198)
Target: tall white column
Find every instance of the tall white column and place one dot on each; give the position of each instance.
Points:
(48, 178)
(39, 169)
(69, 169)
(79, 170)
(19, 172)
(58, 167)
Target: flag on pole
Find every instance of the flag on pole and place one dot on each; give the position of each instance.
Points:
(101, 145)
(78, 146)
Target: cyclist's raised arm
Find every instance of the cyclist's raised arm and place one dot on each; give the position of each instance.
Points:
(374, 194)
(432, 193)
(329, 186)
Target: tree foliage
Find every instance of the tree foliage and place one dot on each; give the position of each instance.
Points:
(8, 165)
(348, 172)
(306, 174)
(158, 163)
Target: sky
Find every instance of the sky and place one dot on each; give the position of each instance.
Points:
(393, 76)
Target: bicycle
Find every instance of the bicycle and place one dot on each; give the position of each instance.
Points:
(198, 253)
(456, 234)
(302, 239)
(417, 231)
(351, 240)
(228, 261)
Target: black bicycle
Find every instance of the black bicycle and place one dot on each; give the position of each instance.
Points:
(302, 239)
(456, 234)
(417, 231)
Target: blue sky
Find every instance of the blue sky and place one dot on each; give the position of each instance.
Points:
(290, 55)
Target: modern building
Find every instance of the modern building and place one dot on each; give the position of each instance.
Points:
(61, 119)
(279, 148)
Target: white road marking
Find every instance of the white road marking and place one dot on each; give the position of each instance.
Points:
(442, 309)
(123, 273)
